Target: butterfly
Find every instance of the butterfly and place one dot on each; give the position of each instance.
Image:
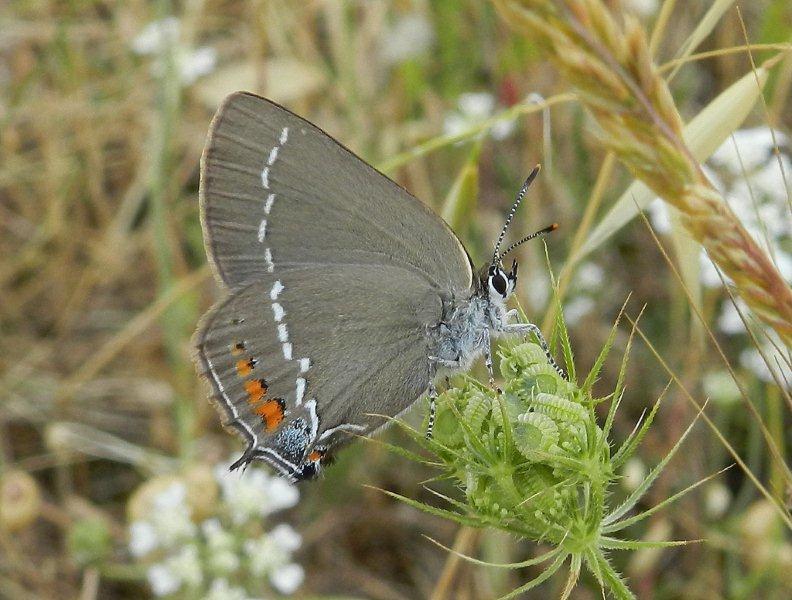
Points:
(345, 295)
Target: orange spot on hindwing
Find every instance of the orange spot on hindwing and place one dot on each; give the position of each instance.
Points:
(316, 455)
(271, 412)
(245, 366)
(237, 348)
(256, 389)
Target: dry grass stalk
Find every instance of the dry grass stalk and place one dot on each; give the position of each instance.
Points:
(608, 62)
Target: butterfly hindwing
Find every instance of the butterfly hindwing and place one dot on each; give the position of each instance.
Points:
(302, 359)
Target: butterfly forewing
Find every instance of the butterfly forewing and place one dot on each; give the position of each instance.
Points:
(277, 194)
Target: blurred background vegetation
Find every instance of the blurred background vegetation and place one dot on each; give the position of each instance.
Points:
(104, 107)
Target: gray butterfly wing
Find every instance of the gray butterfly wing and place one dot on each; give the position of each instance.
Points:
(278, 193)
(299, 360)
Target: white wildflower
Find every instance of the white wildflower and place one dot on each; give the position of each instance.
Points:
(577, 308)
(194, 65)
(476, 106)
(472, 109)
(408, 37)
(634, 474)
(162, 579)
(502, 129)
(285, 538)
(270, 555)
(220, 590)
(255, 493)
(142, 538)
(748, 148)
(717, 498)
(751, 359)
(187, 565)
(157, 36)
(642, 8)
(170, 516)
(755, 191)
(659, 216)
(720, 386)
(161, 38)
(220, 545)
(588, 280)
(729, 320)
(589, 276)
(201, 561)
(288, 578)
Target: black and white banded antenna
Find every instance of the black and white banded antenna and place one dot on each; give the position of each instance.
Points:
(543, 231)
(520, 195)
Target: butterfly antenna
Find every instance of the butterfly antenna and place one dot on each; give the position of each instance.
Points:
(547, 229)
(520, 196)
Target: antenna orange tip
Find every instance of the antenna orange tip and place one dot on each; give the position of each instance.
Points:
(554, 226)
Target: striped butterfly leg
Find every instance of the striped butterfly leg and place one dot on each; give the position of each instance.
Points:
(488, 361)
(530, 328)
(432, 410)
(434, 361)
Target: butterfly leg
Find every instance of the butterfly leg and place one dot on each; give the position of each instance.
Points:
(432, 409)
(444, 362)
(528, 328)
(488, 360)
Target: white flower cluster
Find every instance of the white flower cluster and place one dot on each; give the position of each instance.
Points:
(746, 171)
(408, 37)
(228, 555)
(587, 285)
(162, 37)
(472, 109)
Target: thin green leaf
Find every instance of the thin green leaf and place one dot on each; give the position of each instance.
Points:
(574, 574)
(600, 361)
(455, 503)
(518, 565)
(460, 202)
(432, 510)
(636, 436)
(560, 327)
(590, 556)
(506, 425)
(619, 525)
(430, 444)
(638, 492)
(619, 389)
(613, 580)
(524, 108)
(616, 544)
(544, 576)
(403, 452)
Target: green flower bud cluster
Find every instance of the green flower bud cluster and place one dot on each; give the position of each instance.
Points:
(533, 460)
(524, 455)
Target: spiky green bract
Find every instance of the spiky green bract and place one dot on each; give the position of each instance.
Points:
(533, 461)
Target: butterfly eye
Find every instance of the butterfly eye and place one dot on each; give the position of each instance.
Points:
(498, 282)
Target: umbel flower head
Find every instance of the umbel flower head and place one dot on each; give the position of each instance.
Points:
(533, 461)
(226, 553)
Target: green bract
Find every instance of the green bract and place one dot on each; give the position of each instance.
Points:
(533, 461)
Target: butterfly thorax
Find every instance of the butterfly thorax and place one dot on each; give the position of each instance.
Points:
(462, 335)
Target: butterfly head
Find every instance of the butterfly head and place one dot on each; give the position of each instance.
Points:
(499, 283)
